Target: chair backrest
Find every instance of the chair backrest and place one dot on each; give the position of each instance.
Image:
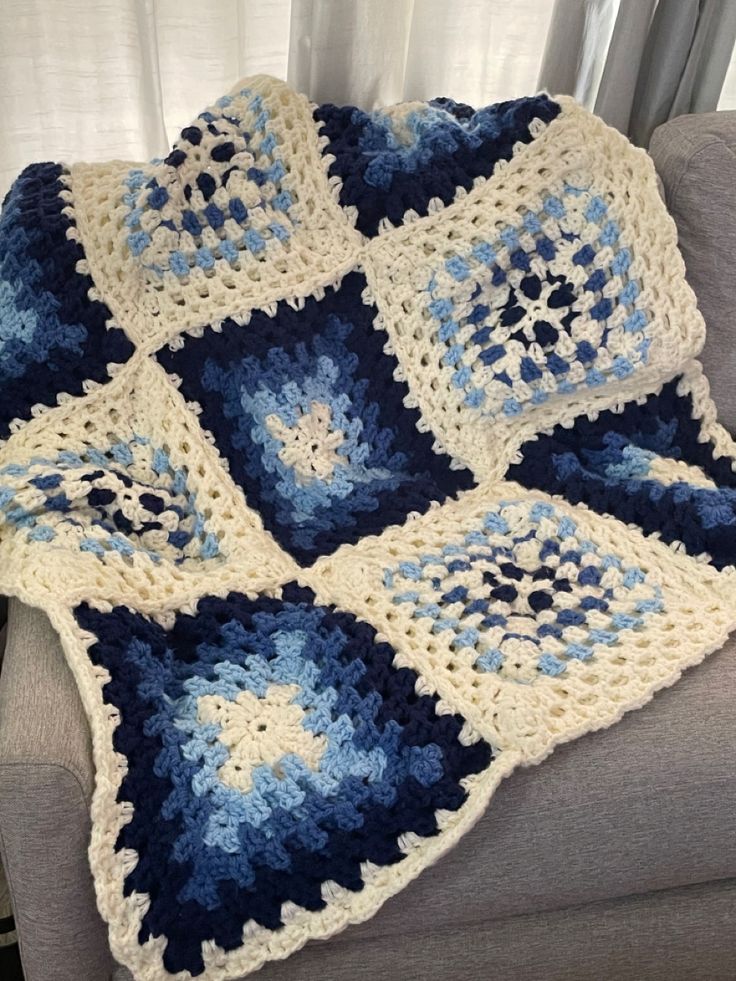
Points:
(695, 157)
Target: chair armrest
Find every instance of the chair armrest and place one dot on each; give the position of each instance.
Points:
(46, 781)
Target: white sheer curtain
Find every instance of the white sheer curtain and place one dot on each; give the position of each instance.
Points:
(638, 63)
(96, 79)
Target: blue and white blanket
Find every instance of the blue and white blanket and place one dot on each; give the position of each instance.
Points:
(357, 458)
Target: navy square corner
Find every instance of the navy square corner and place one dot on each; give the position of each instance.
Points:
(392, 161)
(54, 338)
(305, 408)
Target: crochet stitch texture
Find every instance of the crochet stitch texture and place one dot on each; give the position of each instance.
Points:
(357, 458)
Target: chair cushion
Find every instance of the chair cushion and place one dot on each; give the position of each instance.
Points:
(696, 160)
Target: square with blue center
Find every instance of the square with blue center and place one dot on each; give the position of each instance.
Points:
(271, 747)
(305, 409)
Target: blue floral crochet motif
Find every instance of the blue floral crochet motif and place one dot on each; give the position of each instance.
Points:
(612, 464)
(123, 499)
(547, 306)
(305, 408)
(271, 747)
(53, 338)
(196, 207)
(524, 592)
(390, 161)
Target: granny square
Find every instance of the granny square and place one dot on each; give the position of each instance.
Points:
(116, 486)
(237, 215)
(523, 591)
(305, 409)
(513, 605)
(222, 193)
(128, 492)
(124, 495)
(543, 306)
(507, 308)
(273, 755)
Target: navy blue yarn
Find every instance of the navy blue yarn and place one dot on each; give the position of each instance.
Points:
(38, 270)
(467, 145)
(339, 325)
(569, 461)
(202, 638)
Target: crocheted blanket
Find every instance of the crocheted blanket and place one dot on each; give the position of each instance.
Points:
(357, 458)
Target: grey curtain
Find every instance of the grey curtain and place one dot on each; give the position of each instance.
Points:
(638, 63)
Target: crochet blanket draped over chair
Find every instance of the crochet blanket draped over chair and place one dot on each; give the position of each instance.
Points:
(357, 458)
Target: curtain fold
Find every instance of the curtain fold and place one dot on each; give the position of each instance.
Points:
(638, 63)
(476, 51)
(350, 52)
(684, 62)
(561, 61)
(624, 59)
(577, 47)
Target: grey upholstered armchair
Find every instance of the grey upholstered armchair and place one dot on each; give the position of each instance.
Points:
(616, 860)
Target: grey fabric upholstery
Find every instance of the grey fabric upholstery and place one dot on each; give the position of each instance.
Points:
(677, 935)
(644, 808)
(695, 157)
(46, 780)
